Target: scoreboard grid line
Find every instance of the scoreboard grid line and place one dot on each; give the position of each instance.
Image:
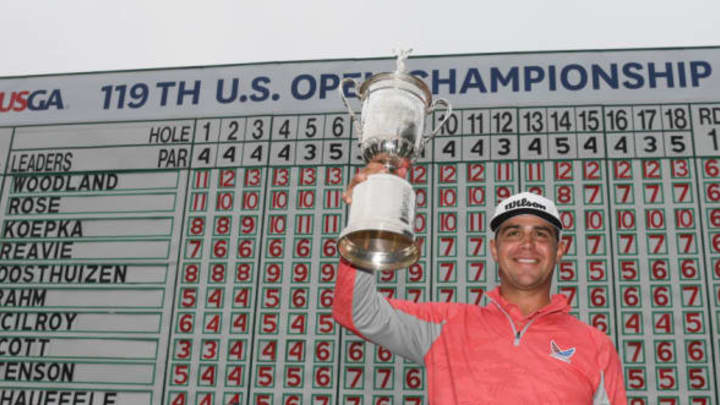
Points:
(433, 233)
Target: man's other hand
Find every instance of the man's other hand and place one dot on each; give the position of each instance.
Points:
(362, 175)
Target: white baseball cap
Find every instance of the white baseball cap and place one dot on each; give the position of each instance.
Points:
(526, 203)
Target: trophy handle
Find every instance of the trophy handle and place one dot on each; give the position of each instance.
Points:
(448, 113)
(345, 100)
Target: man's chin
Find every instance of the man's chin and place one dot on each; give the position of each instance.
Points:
(531, 283)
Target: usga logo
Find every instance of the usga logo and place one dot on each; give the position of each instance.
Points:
(38, 100)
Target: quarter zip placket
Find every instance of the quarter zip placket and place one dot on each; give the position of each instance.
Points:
(518, 335)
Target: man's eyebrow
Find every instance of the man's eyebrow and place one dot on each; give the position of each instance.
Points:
(546, 228)
(503, 229)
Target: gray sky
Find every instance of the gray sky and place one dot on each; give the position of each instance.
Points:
(44, 36)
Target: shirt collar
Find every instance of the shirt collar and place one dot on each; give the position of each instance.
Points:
(558, 302)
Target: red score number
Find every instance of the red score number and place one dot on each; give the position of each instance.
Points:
(303, 247)
(280, 177)
(634, 351)
(598, 297)
(711, 168)
(323, 376)
(293, 378)
(298, 298)
(563, 170)
(324, 350)
(667, 378)
(502, 192)
(250, 200)
(596, 271)
(297, 323)
(448, 174)
(635, 378)
(475, 172)
(413, 378)
(629, 270)
(207, 374)
(334, 176)
(227, 178)
(197, 226)
(679, 168)
(651, 169)
(566, 271)
(665, 351)
(224, 201)
(599, 320)
(592, 170)
(183, 349)
(180, 374)
(622, 170)
(631, 296)
(564, 194)
(308, 176)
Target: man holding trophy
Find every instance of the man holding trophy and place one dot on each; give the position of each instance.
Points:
(523, 347)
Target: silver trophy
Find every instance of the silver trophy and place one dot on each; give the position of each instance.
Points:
(380, 231)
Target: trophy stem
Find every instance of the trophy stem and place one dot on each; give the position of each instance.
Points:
(392, 163)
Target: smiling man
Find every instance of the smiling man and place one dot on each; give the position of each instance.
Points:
(522, 348)
(526, 248)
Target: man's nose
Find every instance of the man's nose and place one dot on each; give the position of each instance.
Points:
(527, 238)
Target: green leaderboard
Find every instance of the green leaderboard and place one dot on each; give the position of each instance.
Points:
(169, 236)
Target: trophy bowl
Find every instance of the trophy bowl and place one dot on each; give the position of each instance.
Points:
(380, 231)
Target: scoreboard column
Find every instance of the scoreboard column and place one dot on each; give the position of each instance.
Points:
(184, 340)
(215, 290)
(461, 166)
(329, 179)
(296, 346)
(248, 177)
(90, 213)
(450, 244)
(476, 192)
(592, 219)
(504, 176)
(657, 246)
(562, 157)
(706, 136)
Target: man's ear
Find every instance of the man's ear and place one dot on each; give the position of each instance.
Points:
(561, 250)
(493, 250)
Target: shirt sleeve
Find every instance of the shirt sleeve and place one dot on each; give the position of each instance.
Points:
(611, 390)
(406, 328)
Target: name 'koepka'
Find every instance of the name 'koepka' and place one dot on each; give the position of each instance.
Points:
(42, 229)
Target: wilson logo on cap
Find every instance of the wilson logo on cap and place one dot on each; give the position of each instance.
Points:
(526, 203)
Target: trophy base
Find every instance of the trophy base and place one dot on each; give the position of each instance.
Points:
(378, 250)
